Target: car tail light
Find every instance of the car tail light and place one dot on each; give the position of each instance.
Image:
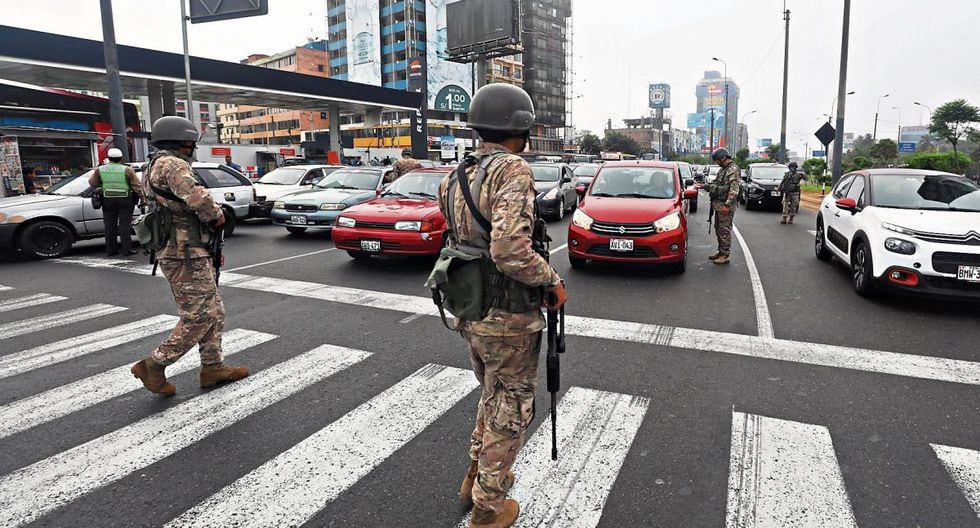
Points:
(903, 277)
(255, 195)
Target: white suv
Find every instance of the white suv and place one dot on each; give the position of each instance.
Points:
(906, 229)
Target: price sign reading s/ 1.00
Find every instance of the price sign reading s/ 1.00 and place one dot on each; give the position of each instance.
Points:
(452, 98)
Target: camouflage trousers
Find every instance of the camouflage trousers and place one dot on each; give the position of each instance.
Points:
(723, 228)
(202, 314)
(791, 204)
(507, 369)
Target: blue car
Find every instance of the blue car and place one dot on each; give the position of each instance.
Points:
(319, 207)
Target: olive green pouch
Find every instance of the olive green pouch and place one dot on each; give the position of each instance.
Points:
(458, 282)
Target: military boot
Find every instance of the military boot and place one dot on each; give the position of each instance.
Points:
(724, 259)
(783, 221)
(219, 373)
(491, 519)
(466, 490)
(790, 221)
(153, 377)
(715, 257)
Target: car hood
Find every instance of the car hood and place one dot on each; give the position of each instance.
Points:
(274, 192)
(628, 210)
(544, 186)
(765, 183)
(30, 201)
(393, 210)
(944, 222)
(321, 196)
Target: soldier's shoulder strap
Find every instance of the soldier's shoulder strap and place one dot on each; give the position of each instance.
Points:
(483, 225)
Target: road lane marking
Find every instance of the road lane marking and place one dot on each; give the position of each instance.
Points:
(291, 488)
(801, 352)
(595, 432)
(33, 491)
(5, 288)
(63, 400)
(784, 473)
(762, 317)
(279, 260)
(410, 318)
(559, 248)
(963, 465)
(46, 322)
(73, 347)
(812, 232)
(30, 300)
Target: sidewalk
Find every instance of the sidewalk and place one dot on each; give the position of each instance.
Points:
(811, 200)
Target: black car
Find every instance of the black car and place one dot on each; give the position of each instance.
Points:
(760, 186)
(555, 184)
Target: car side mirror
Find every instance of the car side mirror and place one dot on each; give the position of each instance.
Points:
(565, 179)
(847, 204)
(745, 177)
(690, 194)
(688, 182)
(580, 191)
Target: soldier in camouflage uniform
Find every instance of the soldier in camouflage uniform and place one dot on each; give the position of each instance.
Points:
(790, 187)
(185, 260)
(404, 165)
(504, 346)
(724, 199)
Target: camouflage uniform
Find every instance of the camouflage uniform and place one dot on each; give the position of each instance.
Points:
(724, 193)
(187, 266)
(504, 346)
(404, 166)
(790, 186)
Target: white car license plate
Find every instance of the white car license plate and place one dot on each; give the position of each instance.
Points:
(969, 273)
(297, 219)
(777, 193)
(620, 244)
(373, 246)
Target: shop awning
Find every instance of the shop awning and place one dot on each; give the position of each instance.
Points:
(49, 133)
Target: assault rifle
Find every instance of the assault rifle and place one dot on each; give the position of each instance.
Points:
(217, 251)
(556, 346)
(711, 215)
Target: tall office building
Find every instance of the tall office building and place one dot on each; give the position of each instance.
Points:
(710, 92)
(547, 40)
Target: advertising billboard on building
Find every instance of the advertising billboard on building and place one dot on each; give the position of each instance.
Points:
(448, 82)
(763, 142)
(659, 96)
(363, 43)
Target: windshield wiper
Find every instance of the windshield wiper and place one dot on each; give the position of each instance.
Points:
(634, 195)
(424, 195)
(270, 183)
(343, 187)
(395, 193)
(603, 194)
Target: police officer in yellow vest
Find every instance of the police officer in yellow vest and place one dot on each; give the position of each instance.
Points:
(121, 192)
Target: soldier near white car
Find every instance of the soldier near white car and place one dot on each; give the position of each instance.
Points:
(790, 187)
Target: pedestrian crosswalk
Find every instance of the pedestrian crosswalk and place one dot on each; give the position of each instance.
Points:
(780, 472)
(30, 300)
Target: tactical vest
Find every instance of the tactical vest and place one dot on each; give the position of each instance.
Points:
(198, 233)
(791, 182)
(500, 291)
(114, 182)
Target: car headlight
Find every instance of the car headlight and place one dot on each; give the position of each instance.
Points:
(279, 205)
(897, 245)
(332, 207)
(410, 225)
(668, 223)
(582, 220)
(345, 221)
(551, 195)
(897, 229)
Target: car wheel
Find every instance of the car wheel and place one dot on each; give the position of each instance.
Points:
(820, 243)
(862, 270)
(560, 215)
(230, 222)
(576, 262)
(296, 230)
(46, 239)
(358, 255)
(694, 206)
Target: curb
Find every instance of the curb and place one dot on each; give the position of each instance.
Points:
(811, 201)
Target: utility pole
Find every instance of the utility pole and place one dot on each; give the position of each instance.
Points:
(116, 114)
(189, 104)
(711, 143)
(782, 129)
(841, 93)
(874, 135)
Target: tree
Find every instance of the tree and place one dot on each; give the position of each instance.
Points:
(860, 147)
(741, 156)
(815, 167)
(617, 142)
(590, 144)
(955, 162)
(861, 163)
(883, 151)
(773, 151)
(952, 120)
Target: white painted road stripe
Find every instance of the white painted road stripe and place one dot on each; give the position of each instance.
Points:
(36, 324)
(835, 356)
(73, 347)
(559, 248)
(410, 318)
(73, 397)
(291, 488)
(281, 260)
(963, 466)
(595, 432)
(46, 485)
(30, 300)
(812, 232)
(5, 288)
(784, 473)
(762, 317)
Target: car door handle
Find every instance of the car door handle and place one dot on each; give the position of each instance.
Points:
(837, 215)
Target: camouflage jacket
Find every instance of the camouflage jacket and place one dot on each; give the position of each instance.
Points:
(725, 188)
(791, 182)
(404, 166)
(172, 172)
(507, 201)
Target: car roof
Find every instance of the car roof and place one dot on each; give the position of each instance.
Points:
(641, 163)
(903, 172)
(767, 165)
(442, 169)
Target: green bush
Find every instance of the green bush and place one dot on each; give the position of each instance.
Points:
(862, 162)
(815, 167)
(956, 163)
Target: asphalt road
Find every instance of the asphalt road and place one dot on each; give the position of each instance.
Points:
(703, 399)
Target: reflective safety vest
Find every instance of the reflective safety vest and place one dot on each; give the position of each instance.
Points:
(114, 182)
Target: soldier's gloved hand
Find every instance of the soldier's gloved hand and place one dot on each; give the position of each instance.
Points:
(556, 297)
(220, 221)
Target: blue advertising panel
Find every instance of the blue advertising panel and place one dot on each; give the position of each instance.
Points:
(659, 96)
(906, 146)
(819, 154)
(697, 121)
(764, 142)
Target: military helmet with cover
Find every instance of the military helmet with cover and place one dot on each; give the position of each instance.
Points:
(174, 129)
(720, 154)
(793, 165)
(502, 107)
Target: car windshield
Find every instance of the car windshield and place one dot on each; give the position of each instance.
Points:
(926, 191)
(586, 170)
(72, 185)
(768, 173)
(351, 179)
(417, 185)
(714, 170)
(284, 176)
(634, 182)
(545, 173)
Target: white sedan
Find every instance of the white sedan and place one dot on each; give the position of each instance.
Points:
(284, 180)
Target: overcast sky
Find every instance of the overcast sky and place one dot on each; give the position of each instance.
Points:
(911, 49)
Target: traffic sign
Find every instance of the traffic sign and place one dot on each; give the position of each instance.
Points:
(213, 10)
(906, 146)
(826, 134)
(819, 154)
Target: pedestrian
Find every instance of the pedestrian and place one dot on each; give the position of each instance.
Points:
(404, 165)
(185, 259)
(121, 192)
(790, 187)
(232, 164)
(387, 161)
(724, 199)
(504, 346)
(30, 180)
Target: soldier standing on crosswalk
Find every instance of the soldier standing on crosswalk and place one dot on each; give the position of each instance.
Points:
(184, 260)
(724, 198)
(790, 187)
(505, 345)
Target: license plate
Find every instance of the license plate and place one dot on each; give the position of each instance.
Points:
(620, 244)
(374, 246)
(777, 193)
(297, 219)
(968, 273)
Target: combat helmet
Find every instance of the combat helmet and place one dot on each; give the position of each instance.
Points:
(502, 108)
(720, 154)
(173, 129)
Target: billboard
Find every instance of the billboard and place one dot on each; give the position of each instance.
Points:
(763, 142)
(226, 10)
(906, 146)
(476, 25)
(659, 96)
(416, 74)
(363, 46)
(697, 121)
(448, 82)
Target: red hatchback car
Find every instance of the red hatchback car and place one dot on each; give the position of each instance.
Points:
(403, 220)
(634, 211)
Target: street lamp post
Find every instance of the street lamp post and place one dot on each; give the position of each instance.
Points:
(927, 108)
(899, 140)
(874, 135)
(728, 136)
(745, 115)
(841, 84)
(834, 104)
